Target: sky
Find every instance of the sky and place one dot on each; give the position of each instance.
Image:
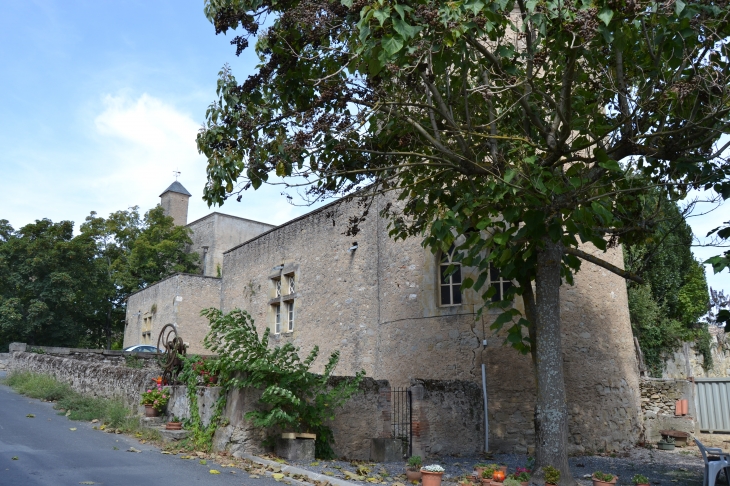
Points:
(100, 102)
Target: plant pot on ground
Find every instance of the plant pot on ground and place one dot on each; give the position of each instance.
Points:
(431, 475)
(552, 476)
(486, 475)
(174, 424)
(640, 480)
(603, 479)
(413, 468)
(666, 444)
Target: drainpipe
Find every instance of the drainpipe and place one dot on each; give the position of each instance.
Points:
(486, 408)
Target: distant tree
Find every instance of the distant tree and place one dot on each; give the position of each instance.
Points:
(63, 290)
(520, 131)
(46, 274)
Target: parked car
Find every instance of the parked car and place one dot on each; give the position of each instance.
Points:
(142, 348)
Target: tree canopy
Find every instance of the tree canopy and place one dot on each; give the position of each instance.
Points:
(58, 289)
(522, 130)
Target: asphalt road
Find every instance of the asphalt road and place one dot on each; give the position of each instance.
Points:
(50, 454)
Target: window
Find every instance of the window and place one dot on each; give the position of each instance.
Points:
(450, 284)
(277, 324)
(282, 311)
(501, 285)
(290, 315)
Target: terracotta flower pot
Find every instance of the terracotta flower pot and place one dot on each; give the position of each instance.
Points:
(429, 478)
(524, 483)
(413, 474)
(486, 481)
(597, 482)
(173, 426)
(503, 469)
(150, 411)
(479, 472)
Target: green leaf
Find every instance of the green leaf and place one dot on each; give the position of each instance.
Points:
(606, 15)
(382, 15)
(391, 45)
(405, 30)
(678, 6)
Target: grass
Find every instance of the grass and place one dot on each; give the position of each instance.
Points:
(110, 412)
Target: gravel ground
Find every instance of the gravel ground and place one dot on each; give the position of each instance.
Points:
(679, 467)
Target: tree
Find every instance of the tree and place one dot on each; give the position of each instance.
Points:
(45, 274)
(63, 290)
(521, 131)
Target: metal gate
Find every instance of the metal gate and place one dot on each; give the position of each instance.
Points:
(401, 418)
(713, 404)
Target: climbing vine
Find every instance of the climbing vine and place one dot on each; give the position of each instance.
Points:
(201, 436)
(293, 398)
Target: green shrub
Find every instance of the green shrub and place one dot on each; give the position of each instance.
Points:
(33, 385)
(552, 475)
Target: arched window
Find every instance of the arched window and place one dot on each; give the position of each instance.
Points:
(450, 284)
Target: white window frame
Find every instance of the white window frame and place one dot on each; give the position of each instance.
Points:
(444, 260)
(498, 283)
(284, 313)
(290, 315)
(277, 319)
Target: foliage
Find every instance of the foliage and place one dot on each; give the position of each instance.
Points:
(295, 398)
(603, 476)
(64, 290)
(133, 362)
(722, 261)
(488, 471)
(206, 369)
(719, 314)
(512, 482)
(415, 462)
(201, 436)
(552, 475)
(157, 397)
(640, 479)
(666, 310)
(521, 474)
(518, 130)
(433, 468)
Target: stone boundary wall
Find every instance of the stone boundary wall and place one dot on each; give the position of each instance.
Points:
(4, 361)
(104, 356)
(658, 399)
(91, 378)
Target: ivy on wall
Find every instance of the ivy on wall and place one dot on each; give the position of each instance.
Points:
(293, 398)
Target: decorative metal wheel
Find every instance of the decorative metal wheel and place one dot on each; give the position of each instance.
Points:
(170, 347)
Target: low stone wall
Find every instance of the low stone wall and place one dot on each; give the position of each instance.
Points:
(89, 377)
(4, 361)
(658, 399)
(104, 356)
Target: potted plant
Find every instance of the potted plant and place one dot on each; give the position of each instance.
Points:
(522, 475)
(498, 476)
(431, 475)
(666, 444)
(512, 482)
(486, 476)
(413, 468)
(479, 467)
(154, 401)
(207, 370)
(465, 481)
(640, 480)
(603, 479)
(174, 424)
(552, 475)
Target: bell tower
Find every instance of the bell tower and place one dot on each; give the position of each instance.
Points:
(174, 200)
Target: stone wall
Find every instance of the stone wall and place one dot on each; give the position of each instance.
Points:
(687, 362)
(176, 300)
(102, 356)
(4, 361)
(378, 306)
(658, 399)
(89, 376)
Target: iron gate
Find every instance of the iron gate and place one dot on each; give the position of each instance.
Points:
(401, 418)
(713, 404)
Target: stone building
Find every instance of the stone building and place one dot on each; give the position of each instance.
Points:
(385, 307)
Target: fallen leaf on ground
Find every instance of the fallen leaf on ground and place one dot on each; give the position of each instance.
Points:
(254, 476)
(165, 452)
(213, 471)
(203, 462)
(95, 421)
(277, 476)
(68, 413)
(72, 429)
(116, 448)
(132, 449)
(102, 427)
(186, 457)
(15, 458)
(87, 482)
(30, 415)
(315, 463)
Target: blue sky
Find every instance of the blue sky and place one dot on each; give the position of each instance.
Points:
(100, 101)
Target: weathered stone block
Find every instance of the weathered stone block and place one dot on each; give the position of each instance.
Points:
(386, 450)
(295, 450)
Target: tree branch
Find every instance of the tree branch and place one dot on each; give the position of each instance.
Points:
(603, 264)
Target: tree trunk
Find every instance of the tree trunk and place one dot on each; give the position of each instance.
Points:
(551, 411)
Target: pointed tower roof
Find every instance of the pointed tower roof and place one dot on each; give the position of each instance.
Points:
(176, 187)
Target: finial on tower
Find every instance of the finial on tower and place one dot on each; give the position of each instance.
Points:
(176, 173)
